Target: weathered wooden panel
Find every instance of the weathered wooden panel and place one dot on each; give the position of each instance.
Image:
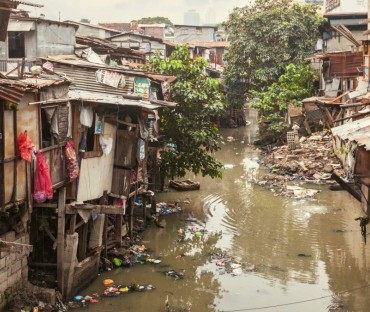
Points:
(362, 166)
(54, 159)
(126, 149)
(121, 181)
(96, 173)
(85, 272)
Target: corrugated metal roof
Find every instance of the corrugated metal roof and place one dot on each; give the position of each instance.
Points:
(358, 131)
(72, 60)
(85, 79)
(13, 90)
(106, 99)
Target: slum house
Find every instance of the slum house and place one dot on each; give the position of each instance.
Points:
(23, 127)
(189, 33)
(11, 7)
(29, 38)
(97, 31)
(114, 124)
(109, 52)
(121, 27)
(344, 17)
(153, 30)
(139, 42)
(342, 80)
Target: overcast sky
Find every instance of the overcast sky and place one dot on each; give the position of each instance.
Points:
(127, 10)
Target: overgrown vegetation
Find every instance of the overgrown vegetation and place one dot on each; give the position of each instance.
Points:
(296, 84)
(190, 131)
(266, 38)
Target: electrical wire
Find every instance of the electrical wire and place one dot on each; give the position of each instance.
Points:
(295, 302)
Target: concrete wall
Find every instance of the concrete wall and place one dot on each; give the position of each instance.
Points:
(339, 43)
(13, 267)
(54, 39)
(193, 34)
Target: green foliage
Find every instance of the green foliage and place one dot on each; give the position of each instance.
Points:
(291, 88)
(265, 37)
(154, 20)
(85, 20)
(190, 128)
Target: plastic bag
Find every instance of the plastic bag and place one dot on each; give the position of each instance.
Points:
(86, 116)
(106, 144)
(25, 146)
(71, 160)
(43, 189)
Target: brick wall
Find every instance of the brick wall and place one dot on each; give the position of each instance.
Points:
(13, 266)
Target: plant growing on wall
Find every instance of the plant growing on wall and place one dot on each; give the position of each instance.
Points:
(190, 131)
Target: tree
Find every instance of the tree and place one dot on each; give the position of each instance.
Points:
(190, 131)
(85, 20)
(291, 88)
(154, 20)
(265, 37)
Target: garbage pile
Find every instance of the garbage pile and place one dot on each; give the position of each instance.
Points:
(313, 161)
(168, 208)
(111, 290)
(229, 264)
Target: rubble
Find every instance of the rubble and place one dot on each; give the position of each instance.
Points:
(313, 161)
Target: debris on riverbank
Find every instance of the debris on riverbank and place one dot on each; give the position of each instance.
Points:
(313, 161)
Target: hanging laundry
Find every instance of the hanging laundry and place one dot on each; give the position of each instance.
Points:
(71, 160)
(25, 146)
(43, 189)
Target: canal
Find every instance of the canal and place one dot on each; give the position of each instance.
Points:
(302, 255)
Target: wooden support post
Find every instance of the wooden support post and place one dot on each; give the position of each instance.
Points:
(119, 219)
(60, 238)
(82, 243)
(72, 224)
(131, 221)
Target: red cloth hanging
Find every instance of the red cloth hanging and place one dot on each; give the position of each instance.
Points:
(71, 160)
(43, 188)
(25, 146)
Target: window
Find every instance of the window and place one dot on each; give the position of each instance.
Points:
(16, 44)
(92, 146)
(54, 124)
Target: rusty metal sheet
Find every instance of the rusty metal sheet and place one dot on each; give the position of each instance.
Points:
(346, 64)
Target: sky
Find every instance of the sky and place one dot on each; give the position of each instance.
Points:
(127, 10)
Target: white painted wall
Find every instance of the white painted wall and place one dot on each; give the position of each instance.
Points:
(96, 174)
(347, 6)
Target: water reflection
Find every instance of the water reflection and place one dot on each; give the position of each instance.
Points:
(305, 252)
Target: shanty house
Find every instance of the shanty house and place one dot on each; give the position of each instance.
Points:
(189, 33)
(29, 38)
(138, 42)
(346, 24)
(26, 128)
(97, 31)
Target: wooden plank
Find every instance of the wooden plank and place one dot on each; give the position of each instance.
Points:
(82, 243)
(15, 171)
(339, 97)
(60, 238)
(72, 224)
(119, 220)
(101, 209)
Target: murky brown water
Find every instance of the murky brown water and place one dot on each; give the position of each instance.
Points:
(261, 229)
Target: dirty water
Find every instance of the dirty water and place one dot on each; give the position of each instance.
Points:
(306, 255)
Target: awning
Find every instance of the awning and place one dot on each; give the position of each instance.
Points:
(18, 25)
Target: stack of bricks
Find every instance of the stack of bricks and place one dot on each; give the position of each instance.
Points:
(13, 266)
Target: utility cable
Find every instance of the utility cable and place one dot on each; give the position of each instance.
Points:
(295, 302)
